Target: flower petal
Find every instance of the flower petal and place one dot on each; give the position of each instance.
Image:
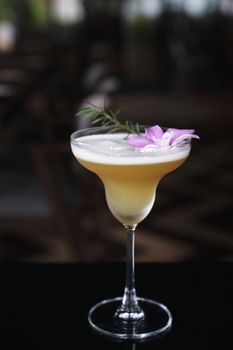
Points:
(178, 140)
(176, 133)
(138, 141)
(154, 133)
(189, 131)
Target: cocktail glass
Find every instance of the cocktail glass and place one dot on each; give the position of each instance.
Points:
(130, 178)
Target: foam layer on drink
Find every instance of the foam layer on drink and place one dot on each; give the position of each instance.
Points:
(113, 149)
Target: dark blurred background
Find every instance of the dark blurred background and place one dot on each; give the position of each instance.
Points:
(167, 62)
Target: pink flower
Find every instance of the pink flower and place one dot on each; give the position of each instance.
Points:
(157, 138)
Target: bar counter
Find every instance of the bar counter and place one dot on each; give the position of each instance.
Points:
(46, 305)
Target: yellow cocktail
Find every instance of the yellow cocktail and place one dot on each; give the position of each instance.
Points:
(130, 177)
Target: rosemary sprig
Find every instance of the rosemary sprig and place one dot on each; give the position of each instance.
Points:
(108, 119)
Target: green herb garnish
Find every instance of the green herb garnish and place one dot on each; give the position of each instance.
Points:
(108, 119)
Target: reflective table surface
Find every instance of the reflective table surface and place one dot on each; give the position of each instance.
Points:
(46, 305)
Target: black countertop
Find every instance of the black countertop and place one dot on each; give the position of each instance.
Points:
(46, 305)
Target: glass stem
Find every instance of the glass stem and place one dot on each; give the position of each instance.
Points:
(129, 309)
(130, 292)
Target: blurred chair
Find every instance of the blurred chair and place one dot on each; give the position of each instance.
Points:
(75, 197)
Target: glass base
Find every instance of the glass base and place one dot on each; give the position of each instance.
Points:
(157, 320)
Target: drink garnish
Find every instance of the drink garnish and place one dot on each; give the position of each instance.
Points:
(108, 119)
(153, 137)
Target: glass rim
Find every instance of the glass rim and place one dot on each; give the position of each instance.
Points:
(87, 131)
